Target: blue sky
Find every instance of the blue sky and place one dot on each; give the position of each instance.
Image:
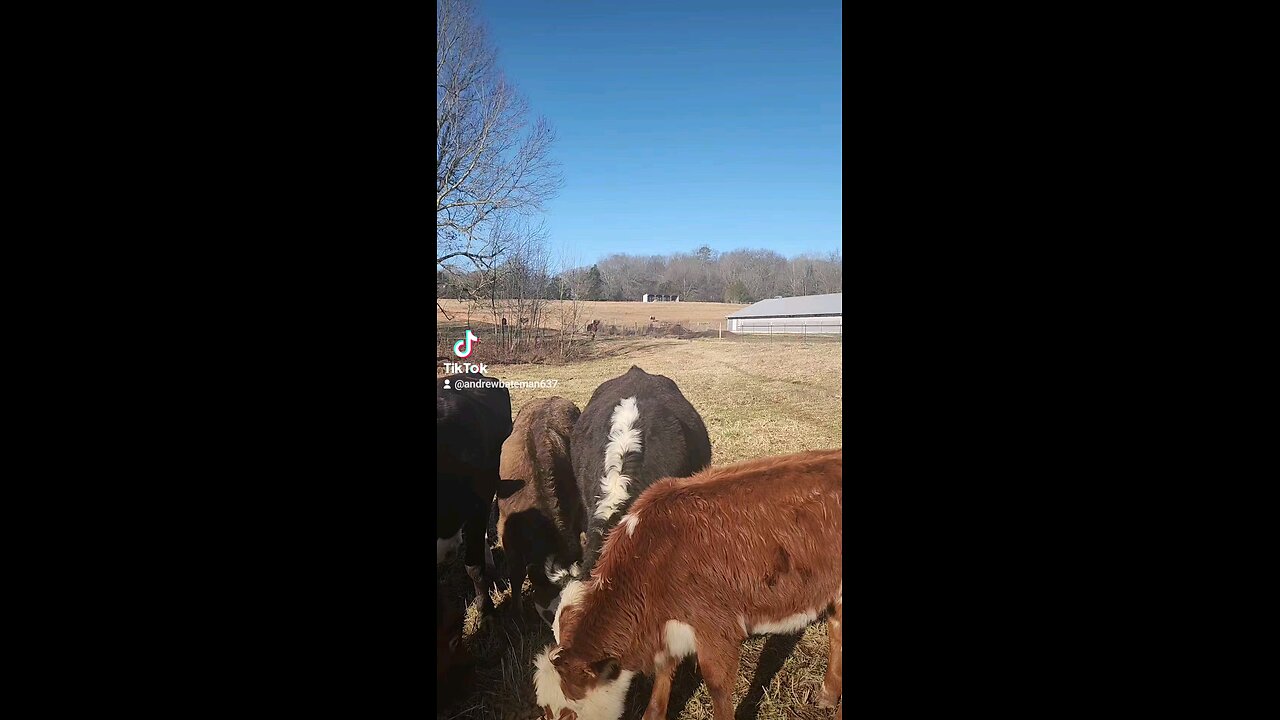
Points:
(683, 123)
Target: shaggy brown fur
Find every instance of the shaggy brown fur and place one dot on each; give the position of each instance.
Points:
(728, 549)
(540, 510)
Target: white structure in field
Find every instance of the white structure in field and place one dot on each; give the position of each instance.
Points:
(651, 297)
(807, 314)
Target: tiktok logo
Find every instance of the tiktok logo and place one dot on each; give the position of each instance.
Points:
(466, 340)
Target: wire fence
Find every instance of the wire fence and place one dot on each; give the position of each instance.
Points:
(512, 342)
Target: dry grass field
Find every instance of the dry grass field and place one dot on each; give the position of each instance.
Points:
(757, 399)
(693, 315)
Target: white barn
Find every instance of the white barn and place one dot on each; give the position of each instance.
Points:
(807, 314)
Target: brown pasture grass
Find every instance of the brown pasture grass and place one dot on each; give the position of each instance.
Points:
(757, 399)
(621, 314)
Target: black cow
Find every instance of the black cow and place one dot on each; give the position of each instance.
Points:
(635, 430)
(471, 425)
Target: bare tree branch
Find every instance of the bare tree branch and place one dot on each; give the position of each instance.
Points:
(492, 162)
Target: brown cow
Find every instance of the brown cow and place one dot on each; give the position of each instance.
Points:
(697, 566)
(540, 518)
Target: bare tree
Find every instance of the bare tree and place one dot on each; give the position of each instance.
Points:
(831, 273)
(491, 162)
(517, 295)
(683, 276)
(574, 287)
(623, 276)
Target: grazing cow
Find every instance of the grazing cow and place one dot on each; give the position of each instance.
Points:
(636, 429)
(697, 566)
(540, 511)
(455, 668)
(471, 425)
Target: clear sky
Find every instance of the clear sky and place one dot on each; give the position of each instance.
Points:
(679, 124)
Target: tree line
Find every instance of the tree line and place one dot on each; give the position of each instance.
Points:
(737, 276)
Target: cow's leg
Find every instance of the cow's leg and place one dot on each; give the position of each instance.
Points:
(665, 673)
(491, 537)
(546, 595)
(517, 567)
(832, 684)
(718, 661)
(447, 547)
(473, 539)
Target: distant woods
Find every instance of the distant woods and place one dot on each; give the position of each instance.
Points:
(738, 276)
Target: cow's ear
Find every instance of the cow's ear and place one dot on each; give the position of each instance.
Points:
(606, 670)
(557, 657)
(507, 488)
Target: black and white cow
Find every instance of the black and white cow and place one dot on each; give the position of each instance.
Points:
(471, 425)
(635, 430)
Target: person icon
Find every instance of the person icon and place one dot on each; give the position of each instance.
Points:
(446, 383)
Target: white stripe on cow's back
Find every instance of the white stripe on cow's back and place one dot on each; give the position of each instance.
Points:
(624, 437)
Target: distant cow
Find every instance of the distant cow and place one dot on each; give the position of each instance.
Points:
(636, 429)
(540, 510)
(471, 425)
(703, 563)
(455, 668)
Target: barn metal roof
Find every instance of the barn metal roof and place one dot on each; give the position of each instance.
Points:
(784, 307)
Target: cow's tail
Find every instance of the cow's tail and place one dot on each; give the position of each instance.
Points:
(490, 539)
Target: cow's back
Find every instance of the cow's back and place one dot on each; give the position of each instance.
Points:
(536, 456)
(471, 424)
(672, 442)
